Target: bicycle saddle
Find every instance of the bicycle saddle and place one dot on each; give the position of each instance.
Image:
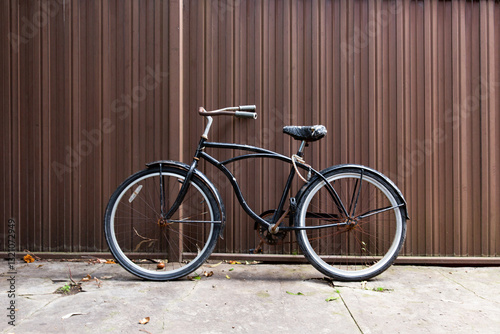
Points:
(307, 133)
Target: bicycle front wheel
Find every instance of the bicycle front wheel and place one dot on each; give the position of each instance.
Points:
(151, 247)
(367, 224)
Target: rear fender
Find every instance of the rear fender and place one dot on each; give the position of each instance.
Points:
(373, 171)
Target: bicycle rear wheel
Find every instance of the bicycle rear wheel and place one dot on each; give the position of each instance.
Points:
(140, 239)
(371, 224)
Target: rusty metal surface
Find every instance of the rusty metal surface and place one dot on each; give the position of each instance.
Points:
(90, 91)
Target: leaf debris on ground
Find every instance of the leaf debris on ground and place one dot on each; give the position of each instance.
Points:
(198, 277)
(96, 260)
(215, 265)
(69, 289)
(86, 278)
(28, 258)
(295, 294)
(69, 315)
(89, 278)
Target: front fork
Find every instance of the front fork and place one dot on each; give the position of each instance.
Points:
(166, 215)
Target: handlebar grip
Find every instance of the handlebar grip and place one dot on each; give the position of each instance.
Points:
(246, 114)
(247, 108)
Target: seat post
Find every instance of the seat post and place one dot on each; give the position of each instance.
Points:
(301, 148)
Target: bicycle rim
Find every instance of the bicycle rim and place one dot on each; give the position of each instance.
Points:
(153, 248)
(368, 243)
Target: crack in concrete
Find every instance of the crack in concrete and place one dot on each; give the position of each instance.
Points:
(468, 289)
(187, 294)
(28, 295)
(350, 313)
(96, 269)
(29, 316)
(329, 281)
(17, 268)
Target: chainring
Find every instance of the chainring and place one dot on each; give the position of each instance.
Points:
(266, 236)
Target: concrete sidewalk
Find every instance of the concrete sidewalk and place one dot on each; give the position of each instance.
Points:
(257, 298)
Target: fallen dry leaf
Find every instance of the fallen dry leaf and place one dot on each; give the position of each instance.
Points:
(97, 261)
(98, 282)
(144, 321)
(208, 274)
(110, 262)
(215, 265)
(72, 314)
(28, 258)
(36, 258)
(234, 262)
(86, 278)
(227, 276)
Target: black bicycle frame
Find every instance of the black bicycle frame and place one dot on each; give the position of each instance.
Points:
(258, 153)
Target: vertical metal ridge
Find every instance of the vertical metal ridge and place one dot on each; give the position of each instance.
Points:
(409, 88)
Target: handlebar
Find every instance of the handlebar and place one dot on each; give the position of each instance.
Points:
(248, 108)
(240, 111)
(245, 114)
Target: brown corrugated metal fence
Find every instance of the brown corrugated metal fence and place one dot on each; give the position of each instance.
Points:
(92, 90)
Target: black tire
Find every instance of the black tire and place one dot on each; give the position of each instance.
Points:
(139, 239)
(367, 244)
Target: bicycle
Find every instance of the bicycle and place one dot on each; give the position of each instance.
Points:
(163, 222)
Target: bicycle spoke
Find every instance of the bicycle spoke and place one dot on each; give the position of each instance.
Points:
(360, 182)
(130, 207)
(148, 205)
(377, 211)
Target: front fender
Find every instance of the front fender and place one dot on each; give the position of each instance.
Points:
(371, 170)
(204, 179)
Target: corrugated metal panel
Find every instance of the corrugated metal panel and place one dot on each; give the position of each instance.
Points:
(92, 90)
